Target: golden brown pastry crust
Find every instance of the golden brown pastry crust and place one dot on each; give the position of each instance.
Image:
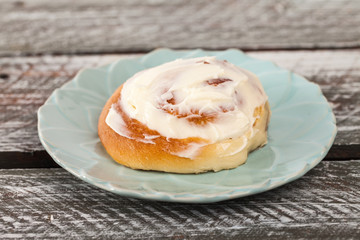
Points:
(139, 155)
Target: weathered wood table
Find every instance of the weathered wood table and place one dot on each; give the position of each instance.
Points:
(44, 43)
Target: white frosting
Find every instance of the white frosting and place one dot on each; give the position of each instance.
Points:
(167, 97)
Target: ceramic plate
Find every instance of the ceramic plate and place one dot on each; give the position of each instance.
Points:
(301, 131)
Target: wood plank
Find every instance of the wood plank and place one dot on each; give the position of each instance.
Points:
(91, 26)
(25, 85)
(51, 203)
(26, 82)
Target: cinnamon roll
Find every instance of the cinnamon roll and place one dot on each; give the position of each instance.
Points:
(186, 116)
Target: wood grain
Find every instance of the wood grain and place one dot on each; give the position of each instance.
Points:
(26, 82)
(25, 85)
(91, 26)
(50, 203)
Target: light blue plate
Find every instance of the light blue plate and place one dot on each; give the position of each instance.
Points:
(301, 131)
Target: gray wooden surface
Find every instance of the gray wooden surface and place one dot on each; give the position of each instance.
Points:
(44, 43)
(51, 203)
(38, 26)
(30, 80)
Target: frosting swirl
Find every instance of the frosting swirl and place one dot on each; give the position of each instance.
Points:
(190, 98)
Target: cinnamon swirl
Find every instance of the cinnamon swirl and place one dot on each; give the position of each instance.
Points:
(186, 116)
